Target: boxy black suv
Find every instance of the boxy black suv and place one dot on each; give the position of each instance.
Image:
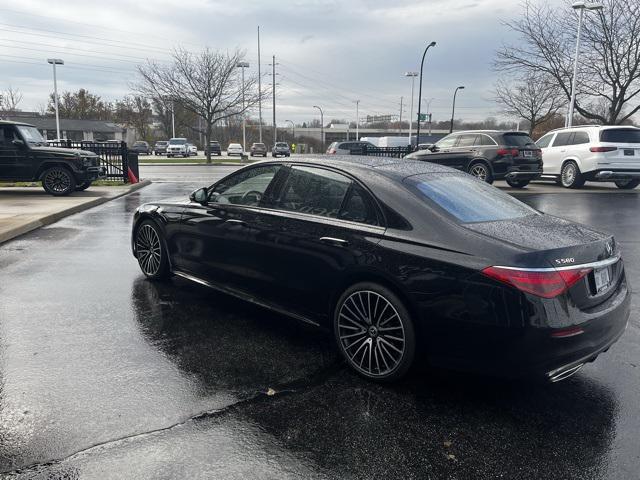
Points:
(214, 147)
(488, 154)
(24, 157)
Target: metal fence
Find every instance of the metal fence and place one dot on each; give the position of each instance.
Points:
(114, 156)
(395, 152)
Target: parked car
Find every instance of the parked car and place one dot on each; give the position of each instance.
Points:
(594, 153)
(177, 147)
(193, 150)
(214, 148)
(25, 157)
(235, 149)
(398, 256)
(488, 155)
(348, 148)
(281, 149)
(160, 148)
(141, 147)
(258, 149)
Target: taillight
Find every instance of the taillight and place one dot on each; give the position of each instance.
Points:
(514, 152)
(542, 283)
(602, 149)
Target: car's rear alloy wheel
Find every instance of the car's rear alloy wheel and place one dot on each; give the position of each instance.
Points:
(570, 175)
(627, 184)
(481, 171)
(150, 251)
(517, 183)
(374, 332)
(58, 181)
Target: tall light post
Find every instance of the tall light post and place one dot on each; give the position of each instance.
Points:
(432, 44)
(429, 112)
(357, 102)
(293, 129)
(54, 62)
(173, 118)
(321, 125)
(242, 66)
(453, 110)
(581, 7)
(413, 76)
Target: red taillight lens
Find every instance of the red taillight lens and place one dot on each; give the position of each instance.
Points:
(602, 149)
(514, 152)
(546, 284)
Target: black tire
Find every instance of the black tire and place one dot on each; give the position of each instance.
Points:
(515, 183)
(84, 185)
(393, 352)
(627, 184)
(570, 175)
(151, 251)
(481, 171)
(58, 181)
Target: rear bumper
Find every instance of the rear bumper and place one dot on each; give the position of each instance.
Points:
(522, 173)
(606, 175)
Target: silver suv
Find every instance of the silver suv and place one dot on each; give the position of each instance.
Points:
(592, 153)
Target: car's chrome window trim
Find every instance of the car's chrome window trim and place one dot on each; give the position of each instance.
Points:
(598, 264)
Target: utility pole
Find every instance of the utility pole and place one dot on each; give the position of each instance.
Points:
(321, 126)
(259, 90)
(357, 102)
(273, 73)
(173, 118)
(400, 129)
(54, 62)
(243, 65)
(413, 76)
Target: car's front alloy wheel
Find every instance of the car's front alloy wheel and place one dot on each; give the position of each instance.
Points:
(58, 181)
(150, 251)
(374, 332)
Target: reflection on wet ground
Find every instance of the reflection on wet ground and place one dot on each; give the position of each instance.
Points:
(104, 374)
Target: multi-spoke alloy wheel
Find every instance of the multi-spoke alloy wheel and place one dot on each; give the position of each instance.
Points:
(58, 181)
(374, 332)
(481, 172)
(150, 252)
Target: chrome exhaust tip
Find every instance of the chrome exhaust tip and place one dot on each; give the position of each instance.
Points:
(562, 373)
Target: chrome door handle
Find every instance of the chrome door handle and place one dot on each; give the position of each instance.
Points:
(339, 242)
(234, 221)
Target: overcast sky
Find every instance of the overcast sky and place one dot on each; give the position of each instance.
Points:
(330, 52)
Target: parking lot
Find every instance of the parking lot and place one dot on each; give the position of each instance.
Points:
(108, 375)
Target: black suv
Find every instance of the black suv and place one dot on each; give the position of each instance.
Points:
(24, 157)
(488, 155)
(214, 148)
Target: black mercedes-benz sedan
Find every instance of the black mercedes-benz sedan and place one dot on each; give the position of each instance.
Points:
(398, 257)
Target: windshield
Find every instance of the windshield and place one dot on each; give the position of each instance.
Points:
(281, 145)
(31, 135)
(466, 198)
(620, 135)
(177, 141)
(518, 139)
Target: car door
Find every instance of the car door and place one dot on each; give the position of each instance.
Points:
(464, 151)
(322, 224)
(213, 244)
(547, 158)
(555, 154)
(444, 151)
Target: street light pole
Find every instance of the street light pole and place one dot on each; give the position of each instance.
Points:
(429, 112)
(259, 90)
(581, 6)
(453, 110)
(413, 76)
(242, 66)
(357, 102)
(54, 62)
(321, 126)
(173, 118)
(432, 44)
(293, 129)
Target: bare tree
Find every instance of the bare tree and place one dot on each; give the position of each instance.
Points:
(533, 98)
(609, 68)
(10, 100)
(135, 111)
(207, 84)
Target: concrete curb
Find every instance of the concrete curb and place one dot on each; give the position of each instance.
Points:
(54, 217)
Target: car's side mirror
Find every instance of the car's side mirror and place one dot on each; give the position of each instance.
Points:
(433, 148)
(200, 196)
(18, 143)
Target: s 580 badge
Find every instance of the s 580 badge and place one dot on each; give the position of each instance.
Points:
(565, 261)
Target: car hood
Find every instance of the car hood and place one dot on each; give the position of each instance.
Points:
(548, 239)
(62, 152)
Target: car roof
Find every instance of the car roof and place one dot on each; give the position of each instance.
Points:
(490, 132)
(390, 167)
(9, 122)
(602, 127)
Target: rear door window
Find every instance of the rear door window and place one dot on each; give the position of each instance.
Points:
(562, 139)
(467, 140)
(486, 140)
(315, 191)
(467, 199)
(359, 207)
(579, 138)
(620, 135)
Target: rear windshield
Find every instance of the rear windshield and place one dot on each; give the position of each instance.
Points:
(620, 135)
(467, 199)
(518, 140)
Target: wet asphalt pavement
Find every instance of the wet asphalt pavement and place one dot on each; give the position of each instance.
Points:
(106, 375)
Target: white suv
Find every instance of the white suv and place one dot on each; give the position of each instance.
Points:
(177, 147)
(592, 153)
